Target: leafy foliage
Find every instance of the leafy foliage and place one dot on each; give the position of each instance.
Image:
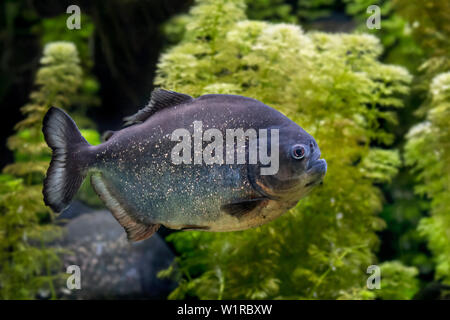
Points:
(428, 152)
(58, 80)
(396, 33)
(334, 87)
(431, 30)
(27, 264)
(55, 29)
(270, 10)
(398, 282)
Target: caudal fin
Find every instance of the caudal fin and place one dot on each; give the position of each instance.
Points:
(68, 166)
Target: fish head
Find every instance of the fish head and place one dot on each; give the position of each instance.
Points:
(300, 167)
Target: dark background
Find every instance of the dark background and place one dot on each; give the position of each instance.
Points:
(126, 45)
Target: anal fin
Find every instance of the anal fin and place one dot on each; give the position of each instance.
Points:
(135, 230)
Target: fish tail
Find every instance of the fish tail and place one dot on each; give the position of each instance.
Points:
(70, 155)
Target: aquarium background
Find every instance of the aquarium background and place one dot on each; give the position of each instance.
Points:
(376, 100)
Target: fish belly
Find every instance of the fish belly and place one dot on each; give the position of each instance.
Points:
(181, 196)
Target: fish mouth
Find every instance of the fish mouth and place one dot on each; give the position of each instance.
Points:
(316, 170)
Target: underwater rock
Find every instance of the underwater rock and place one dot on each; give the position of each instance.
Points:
(110, 266)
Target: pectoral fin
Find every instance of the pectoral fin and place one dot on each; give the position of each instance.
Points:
(241, 208)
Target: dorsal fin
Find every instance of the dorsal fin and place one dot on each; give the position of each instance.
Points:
(107, 135)
(160, 99)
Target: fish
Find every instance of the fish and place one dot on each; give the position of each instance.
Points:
(168, 165)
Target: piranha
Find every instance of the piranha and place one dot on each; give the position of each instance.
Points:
(137, 175)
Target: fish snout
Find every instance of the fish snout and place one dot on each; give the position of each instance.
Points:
(316, 167)
(316, 171)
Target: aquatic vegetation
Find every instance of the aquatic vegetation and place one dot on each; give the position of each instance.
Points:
(55, 29)
(430, 29)
(400, 282)
(428, 151)
(333, 86)
(395, 33)
(58, 79)
(27, 264)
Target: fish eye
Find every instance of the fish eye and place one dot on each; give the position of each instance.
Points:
(298, 152)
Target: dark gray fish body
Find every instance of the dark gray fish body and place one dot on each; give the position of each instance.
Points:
(135, 176)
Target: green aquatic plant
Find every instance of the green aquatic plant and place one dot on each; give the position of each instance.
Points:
(57, 80)
(333, 86)
(398, 282)
(396, 32)
(415, 34)
(428, 151)
(268, 10)
(28, 265)
(431, 30)
(55, 29)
